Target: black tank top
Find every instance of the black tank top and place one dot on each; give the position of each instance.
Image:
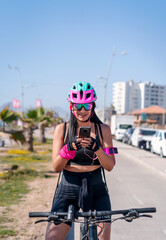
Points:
(84, 156)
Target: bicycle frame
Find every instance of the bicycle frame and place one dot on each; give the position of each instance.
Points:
(88, 231)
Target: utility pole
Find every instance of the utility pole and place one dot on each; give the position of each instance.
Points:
(21, 88)
(106, 80)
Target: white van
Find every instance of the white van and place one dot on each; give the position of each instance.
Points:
(120, 131)
(142, 137)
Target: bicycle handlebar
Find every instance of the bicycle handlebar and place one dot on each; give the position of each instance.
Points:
(39, 214)
(92, 213)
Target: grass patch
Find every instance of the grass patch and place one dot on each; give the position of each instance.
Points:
(14, 186)
(48, 141)
(7, 232)
(19, 173)
(12, 191)
(14, 183)
(25, 160)
(19, 168)
(4, 219)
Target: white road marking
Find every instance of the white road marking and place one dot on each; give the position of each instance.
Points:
(138, 199)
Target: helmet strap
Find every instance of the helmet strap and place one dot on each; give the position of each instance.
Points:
(90, 116)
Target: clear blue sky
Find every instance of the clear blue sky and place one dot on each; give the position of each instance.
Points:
(56, 43)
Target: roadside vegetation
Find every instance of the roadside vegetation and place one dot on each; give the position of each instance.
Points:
(25, 161)
(18, 167)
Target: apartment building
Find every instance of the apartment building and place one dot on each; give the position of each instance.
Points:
(129, 96)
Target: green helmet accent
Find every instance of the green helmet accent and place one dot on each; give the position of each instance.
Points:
(84, 86)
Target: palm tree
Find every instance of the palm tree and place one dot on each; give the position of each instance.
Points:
(44, 120)
(29, 122)
(38, 117)
(8, 117)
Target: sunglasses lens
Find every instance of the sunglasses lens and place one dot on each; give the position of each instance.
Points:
(78, 106)
(88, 106)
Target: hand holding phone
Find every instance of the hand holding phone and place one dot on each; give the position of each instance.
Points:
(84, 132)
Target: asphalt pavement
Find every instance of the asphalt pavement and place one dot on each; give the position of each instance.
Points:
(152, 161)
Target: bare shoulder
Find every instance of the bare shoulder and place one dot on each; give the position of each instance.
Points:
(105, 129)
(107, 137)
(59, 130)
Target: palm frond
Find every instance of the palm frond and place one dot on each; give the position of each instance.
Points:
(7, 115)
(18, 137)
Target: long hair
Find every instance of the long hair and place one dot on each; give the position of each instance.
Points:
(73, 124)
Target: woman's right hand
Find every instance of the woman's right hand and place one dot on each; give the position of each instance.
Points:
(74, 144)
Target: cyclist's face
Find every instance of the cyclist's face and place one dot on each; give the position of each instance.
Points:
(79, 106)
(82, 111)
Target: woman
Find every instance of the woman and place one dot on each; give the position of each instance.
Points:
(81, 160)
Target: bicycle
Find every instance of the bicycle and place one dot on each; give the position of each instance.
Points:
(88, 228)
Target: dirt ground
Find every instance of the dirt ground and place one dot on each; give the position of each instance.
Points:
(38, 199)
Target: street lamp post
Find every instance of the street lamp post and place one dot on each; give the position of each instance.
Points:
(21, 87)
(106, 80)
(21, 90)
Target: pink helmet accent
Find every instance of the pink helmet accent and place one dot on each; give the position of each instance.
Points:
(87, 96)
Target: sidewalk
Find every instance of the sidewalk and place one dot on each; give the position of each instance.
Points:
(146, 158)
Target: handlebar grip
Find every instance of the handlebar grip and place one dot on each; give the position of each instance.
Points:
(39, 214)
(146, 210)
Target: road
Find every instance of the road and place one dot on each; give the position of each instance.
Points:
(137, 181)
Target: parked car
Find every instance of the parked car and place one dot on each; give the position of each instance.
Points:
(127, 136)
(142, 137)
(158, 143)
(120, 131)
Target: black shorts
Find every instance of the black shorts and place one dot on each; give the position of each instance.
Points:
(86, 190)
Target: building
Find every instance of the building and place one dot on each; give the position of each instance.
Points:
(129, 96)
(153, 115)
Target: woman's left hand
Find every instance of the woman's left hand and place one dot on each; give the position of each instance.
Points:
(89, 143)
(94, 145)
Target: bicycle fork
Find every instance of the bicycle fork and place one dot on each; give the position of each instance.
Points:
(84, 230)
(93, 232)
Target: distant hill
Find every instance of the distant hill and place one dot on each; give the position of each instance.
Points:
(60, 111)
(9, 104)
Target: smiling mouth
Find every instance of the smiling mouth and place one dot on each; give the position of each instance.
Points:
(82, 115)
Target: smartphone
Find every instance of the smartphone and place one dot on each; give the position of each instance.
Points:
(84, 132)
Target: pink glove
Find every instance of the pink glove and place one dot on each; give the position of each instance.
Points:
(65, 153)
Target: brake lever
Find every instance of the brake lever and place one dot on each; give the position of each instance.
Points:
(145, 215)
(50, 218)
(133, 214)
(42, 220)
